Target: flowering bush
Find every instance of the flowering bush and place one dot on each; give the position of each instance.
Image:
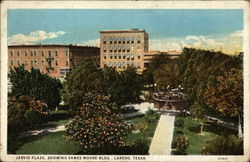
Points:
(98, 123)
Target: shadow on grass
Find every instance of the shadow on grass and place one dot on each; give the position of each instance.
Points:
(195, 129)
(217, 129)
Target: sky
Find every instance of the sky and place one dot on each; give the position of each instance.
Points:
(168, 29)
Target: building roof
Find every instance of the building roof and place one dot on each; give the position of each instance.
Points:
(123, 31)
(50, 45)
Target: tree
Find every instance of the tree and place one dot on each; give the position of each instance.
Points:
(24, 112)
(98, 124)
(35, 84)
(197, 110)
(226, 95)
(85, 78)
(223, 145)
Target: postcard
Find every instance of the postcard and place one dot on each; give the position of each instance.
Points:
(125, 81)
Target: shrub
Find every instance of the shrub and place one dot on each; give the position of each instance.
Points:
(179, 123)
(151, 116)
(128, 109)
(223, 145)
(98, 124)
(142, 126)
(181, 144)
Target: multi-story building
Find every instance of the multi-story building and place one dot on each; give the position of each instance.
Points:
(149, 56)
(122, 48)
(54, 59)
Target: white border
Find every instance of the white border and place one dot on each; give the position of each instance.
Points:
(129, 5)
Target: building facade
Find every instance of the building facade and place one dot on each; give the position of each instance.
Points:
(149, 56)
(122, 48)
(55, 60)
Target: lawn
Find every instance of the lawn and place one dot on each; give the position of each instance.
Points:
(52, 143)
(192, 130)
(57, 142)
(146, 135)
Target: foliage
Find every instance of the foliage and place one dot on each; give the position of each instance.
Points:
(85, 78)
(122, 87)
(223, 145)
(227, 95)
(35, 84)
(23, 113)
(142, 126)
(151, 116)
(197, 110)
(97, 124)
(181, 144)
(179, 123)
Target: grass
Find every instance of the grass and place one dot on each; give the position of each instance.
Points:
(146, 135)
(53, 143)
(192, 130)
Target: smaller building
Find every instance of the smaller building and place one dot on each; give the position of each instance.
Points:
(55, 60)
(149, 56)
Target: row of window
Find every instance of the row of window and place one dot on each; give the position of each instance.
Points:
(35, 53)
(122, 40)
(35, 62)
(121, 56)
(120, 48)
(122, 64)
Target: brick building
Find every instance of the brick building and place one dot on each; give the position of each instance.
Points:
(54, 59)
(121, 48)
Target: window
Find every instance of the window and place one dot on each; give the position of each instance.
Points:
(119, 40)
(128, 63)
(110, 63)
(35, 61)
(104, 49)
(128, 48)
(119, 64)
(114, 48)
(123, 40)
(43, 52)
(26, 53)
(132, 56)
(50, 53)
(57, 62)
(57, 52)
(132, 39)
(19, 62)
(110, 40)
(114, 40)
(115, 56)
(67, 62)
(138, 65)
(31, 53)
(31, 62)
(110, 49)
(138, 39)
(119, 56)
(123, 56)
(19, 53)
(111, 56)
(138, 56)
(104, 40)
(66, 52)
(119, 48)
(128, 56)
(123, 48)
(132, 64)
(104, 56)
(123, 64)
(12, 52)
(127, 39)
(35, 52)
(43, 61)
(11, 62)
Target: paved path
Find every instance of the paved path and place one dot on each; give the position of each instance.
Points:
(162, 141)
(43, 131)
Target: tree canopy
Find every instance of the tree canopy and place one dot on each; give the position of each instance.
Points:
(35, 84)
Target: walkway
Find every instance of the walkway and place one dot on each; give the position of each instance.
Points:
(43, 131)
(162, 141)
